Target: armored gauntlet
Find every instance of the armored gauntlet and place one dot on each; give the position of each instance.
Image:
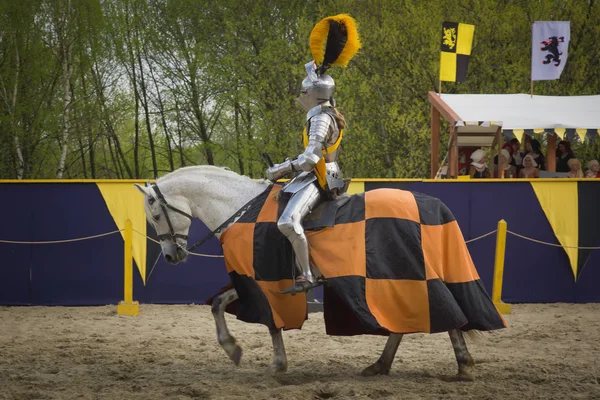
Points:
(279, 170)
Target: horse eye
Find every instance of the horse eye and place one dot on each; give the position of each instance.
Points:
(151, 200)
(156, 217)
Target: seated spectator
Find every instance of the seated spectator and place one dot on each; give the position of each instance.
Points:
(508, 147)
(563, 155)
(534, 148)
(478, 169)
(574, 168)
(529, 169)
(504, 168)
(517, 155)
(593, 169)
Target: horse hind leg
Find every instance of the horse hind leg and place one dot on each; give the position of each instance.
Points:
(383, 365)
(463, 357)
(225, 339)
(279, 364)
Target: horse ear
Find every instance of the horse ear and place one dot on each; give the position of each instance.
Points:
(140, 188)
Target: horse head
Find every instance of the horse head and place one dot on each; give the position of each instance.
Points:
(211, 194)
(171, 217)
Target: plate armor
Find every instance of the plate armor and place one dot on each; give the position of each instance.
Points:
(317, 174)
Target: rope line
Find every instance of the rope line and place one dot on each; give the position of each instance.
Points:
(62, 241)
(482, 236)
(552, 244)
(221, 256)
(190, 253)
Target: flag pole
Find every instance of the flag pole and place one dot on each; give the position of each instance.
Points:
(532, 88)
(440, 81)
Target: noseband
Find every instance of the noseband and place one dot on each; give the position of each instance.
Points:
(164, 205)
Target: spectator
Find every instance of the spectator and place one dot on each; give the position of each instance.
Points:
(574, 168)
(504, 168)
(478, 169)
(506, 146)
(563, 155)
(517, 155)
(529, 169)
(593, 169)
(534, 148)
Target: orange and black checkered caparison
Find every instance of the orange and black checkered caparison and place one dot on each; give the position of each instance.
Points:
(395, 261)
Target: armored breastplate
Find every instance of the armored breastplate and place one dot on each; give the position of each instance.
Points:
(327, 170)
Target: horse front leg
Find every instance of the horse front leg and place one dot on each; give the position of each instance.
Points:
(279, 363)
(463, 358)
(225, 339)
(384, 363)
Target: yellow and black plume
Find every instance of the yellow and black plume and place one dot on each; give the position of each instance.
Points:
(334, 41)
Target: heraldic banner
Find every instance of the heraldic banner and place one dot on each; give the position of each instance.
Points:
(456, 43)
(550, 42)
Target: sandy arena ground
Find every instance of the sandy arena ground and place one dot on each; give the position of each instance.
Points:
(171, 352)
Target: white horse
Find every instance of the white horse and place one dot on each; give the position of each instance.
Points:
(213, 195)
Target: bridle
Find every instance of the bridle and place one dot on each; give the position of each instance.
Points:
(164, 205)
(172, 236)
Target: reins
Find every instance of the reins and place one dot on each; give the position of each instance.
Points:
(172, 235)
(164, 205)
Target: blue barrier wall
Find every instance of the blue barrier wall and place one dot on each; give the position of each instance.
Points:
(91, 272)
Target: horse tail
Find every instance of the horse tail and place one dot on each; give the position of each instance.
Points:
(473, 336)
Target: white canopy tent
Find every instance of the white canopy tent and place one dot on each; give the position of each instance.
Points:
(522, 111)
(517, 114)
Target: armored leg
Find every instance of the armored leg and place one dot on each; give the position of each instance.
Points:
(290, 224)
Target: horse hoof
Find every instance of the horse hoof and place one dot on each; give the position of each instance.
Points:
(235, 353)
(277, 368)
(375, 369)
(464, 376)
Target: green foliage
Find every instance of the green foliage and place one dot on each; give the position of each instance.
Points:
(161, 84)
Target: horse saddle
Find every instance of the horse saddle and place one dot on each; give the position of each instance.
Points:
(324, 215)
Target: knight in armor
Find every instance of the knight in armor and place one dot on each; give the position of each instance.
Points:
(317, 176)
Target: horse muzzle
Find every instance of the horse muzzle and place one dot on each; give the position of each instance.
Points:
(174, 253)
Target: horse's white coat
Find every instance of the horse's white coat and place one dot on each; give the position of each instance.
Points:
(211, 194)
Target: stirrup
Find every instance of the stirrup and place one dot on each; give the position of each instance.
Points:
(303, 286)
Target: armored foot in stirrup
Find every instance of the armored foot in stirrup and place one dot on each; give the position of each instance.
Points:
(302, 286)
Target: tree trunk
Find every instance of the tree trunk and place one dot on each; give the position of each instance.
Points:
(250, 137)
(67, 72)
(136, 142)
(20, 162)
(203, 130)
(161, 110)
(112, 135)
(90, 136)
(114, 159)
(179, 138)
(13, 104)
(147, 113)
(236, 118)
(82, 145)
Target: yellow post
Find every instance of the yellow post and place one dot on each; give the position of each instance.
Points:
(128, 306)
(499, 269)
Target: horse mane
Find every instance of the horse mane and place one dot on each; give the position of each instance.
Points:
(212, 170)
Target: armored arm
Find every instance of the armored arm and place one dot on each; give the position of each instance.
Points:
(319, 128)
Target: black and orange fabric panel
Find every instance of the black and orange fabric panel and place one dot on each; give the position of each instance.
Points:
(395, 261)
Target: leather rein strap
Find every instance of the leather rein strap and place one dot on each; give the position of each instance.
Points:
(172, 235)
